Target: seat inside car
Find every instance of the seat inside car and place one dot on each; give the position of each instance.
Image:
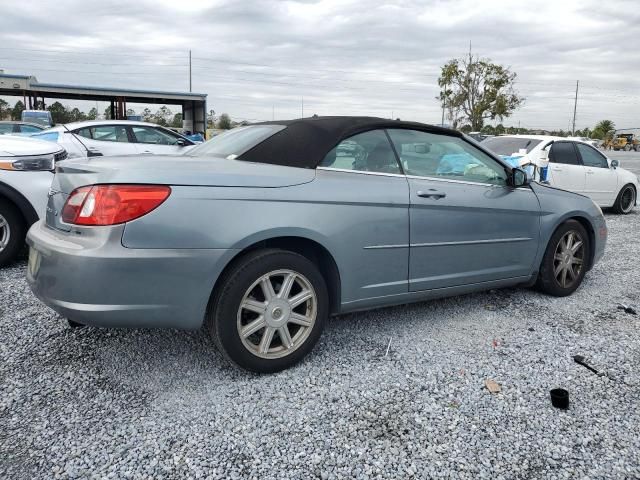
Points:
(382, 159)
(121, 135)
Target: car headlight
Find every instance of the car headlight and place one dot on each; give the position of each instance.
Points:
(33, 163)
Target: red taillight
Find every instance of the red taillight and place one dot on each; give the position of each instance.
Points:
(112, 204)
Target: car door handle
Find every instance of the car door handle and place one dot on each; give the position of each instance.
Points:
(431, 193)
(556, 169)
(590, 172)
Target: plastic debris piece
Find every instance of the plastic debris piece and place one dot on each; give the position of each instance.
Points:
(492, 386)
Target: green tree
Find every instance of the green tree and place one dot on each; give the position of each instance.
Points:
(16, 112)
(224, 122)
(146, 115)
(162, 116)
(76, 115)
(107, 113)
(5, 110)
(130, 112)
(177, 120)
(488, 130)
(59, 113)
(93, 114)
(481, 89)
(604, 129)
(500, 130)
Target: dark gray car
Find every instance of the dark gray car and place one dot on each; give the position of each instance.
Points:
(266, 230)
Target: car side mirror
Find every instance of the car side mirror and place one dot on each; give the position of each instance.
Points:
(180, 142)
(615, 163)
(519, 178)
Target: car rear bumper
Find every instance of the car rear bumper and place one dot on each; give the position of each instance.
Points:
(94, 280)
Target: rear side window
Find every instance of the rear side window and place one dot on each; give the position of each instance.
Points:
(6, 128)
(235, 142)
(154, 136)
(364, 152)
(563, 152)
(105, 133)
(591, 157)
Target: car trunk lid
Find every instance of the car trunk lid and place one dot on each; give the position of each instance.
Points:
(178, 170)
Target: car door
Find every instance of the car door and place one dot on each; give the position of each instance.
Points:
(107, 140)
(601, 181)
(361, 197)
(467, 226)
(157, 141)
(565, 169)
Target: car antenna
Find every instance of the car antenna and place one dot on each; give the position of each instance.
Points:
(77, 137)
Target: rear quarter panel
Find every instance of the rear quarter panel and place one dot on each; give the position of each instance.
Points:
(342, 212)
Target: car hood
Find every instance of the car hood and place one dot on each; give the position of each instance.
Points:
(176, 170)
(16, 146)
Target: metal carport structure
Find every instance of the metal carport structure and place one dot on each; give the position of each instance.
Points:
(194, 105)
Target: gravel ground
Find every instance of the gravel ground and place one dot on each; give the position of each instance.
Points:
(93, 403)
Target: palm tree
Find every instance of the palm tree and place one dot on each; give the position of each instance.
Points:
(604, 128)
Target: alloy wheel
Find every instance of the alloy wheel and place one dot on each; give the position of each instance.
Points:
(5, 233)
(277, 313)
(568, 260)
(628, 199)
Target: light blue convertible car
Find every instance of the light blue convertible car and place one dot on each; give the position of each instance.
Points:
(263, 232)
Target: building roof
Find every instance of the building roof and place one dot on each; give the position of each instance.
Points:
(84, 92)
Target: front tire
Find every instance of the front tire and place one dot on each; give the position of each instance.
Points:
(12, 233)
(565, 261)
(626, 200)
(269, 310)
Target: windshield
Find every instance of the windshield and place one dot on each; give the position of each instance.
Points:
(510, 145)
(41, 117)
(235, 142)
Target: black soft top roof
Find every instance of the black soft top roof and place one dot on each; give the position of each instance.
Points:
(306, 141)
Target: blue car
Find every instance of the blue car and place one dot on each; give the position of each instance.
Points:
(264, 231)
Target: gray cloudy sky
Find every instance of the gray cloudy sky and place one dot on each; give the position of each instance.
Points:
(257, 57)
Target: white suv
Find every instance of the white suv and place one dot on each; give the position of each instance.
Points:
(26, 172)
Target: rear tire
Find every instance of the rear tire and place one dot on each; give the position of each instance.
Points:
(257, 317)
(12, 232)
(565, 260)
(626, 200)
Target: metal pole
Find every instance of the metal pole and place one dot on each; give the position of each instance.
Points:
(302, 107)
(575, 106)
(190, 70)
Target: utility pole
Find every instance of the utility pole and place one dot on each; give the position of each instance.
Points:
(190, 70)
(444, 101)
(575, 106)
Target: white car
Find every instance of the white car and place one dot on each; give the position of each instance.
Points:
(573, 165)
(26, 172)
(115, 137)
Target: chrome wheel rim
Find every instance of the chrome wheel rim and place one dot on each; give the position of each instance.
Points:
(5, 233)
(277, 314)
(628, 199)
(568, 260)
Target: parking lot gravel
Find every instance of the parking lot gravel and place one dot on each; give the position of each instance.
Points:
(393, 393)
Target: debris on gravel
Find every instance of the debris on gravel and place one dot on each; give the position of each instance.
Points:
(96, 403)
